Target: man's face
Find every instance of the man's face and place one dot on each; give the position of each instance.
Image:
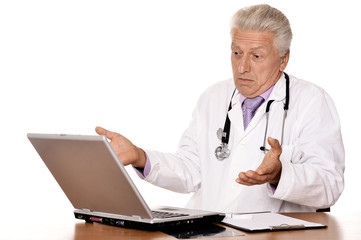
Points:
(256, 63)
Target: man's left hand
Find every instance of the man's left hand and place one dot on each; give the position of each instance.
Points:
(268, 172)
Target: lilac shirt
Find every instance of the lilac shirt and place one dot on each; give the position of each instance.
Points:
(264, 95)
(143, 173)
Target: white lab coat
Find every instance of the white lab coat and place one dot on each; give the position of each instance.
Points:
(312, 153)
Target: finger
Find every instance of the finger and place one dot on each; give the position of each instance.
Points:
(243, 179)
(250, 178)
(254, 177)
(106, 133)
(249, 182)
(242, 176)
(240, 181)
(100, 130)
(275, 145)
(264, 169)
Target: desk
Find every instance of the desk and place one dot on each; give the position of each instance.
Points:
(340, 226)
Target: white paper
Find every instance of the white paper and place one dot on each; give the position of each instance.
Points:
(266, 221)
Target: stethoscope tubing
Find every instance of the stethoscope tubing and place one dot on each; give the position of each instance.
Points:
(223, 152)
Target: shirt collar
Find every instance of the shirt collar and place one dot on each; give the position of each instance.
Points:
(264, 95)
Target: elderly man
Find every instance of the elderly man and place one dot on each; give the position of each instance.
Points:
(277, 138)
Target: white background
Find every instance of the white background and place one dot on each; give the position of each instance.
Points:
(138, 68)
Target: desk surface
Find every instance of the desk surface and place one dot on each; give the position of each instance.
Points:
(340, 226)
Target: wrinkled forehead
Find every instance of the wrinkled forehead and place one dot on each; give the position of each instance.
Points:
(252, 40)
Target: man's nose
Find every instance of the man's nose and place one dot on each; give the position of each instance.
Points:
(244, 65)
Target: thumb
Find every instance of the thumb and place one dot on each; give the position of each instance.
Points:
(100, 130)
(103, 131)
(275, 145)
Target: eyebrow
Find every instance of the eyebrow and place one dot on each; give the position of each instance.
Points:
(258, 48)
(234, 45)
(252, 49)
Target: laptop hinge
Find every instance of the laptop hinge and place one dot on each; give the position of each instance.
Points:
(136, 216)
(86, 210)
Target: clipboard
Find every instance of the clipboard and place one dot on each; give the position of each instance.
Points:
(267, 221)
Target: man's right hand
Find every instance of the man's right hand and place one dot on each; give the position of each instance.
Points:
(127, 152)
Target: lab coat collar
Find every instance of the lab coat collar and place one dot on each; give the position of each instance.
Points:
(236, 116)
(278, 93)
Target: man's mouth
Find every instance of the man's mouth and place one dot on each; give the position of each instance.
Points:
(244, 80)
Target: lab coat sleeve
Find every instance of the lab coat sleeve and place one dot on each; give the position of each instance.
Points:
(313, 167)
(179, 172)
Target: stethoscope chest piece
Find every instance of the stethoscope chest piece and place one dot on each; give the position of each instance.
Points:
(222, 152)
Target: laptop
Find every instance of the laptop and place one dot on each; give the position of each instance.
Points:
(99, 187)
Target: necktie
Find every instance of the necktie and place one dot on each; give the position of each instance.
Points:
(249, 107)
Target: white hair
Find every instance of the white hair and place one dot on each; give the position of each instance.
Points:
(265, 18)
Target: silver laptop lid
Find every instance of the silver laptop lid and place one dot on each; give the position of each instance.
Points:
(90, 173)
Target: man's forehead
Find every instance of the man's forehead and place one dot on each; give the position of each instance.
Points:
(253, 39)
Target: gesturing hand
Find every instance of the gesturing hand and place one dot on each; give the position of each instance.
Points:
(127, 152)
(269, 170)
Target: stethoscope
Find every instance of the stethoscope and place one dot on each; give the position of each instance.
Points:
(222, 152)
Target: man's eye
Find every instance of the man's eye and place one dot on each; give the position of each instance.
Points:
(257, 57)
(236, 53)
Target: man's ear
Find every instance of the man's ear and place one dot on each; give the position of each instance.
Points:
(284, 61)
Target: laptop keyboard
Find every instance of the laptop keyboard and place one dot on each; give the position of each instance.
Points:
(158, 214)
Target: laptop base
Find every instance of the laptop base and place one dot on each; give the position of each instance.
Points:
(176, 224)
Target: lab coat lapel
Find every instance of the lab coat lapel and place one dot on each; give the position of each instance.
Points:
(236, 114)
(279, 91)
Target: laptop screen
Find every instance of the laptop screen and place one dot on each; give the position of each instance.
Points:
(90, 173)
